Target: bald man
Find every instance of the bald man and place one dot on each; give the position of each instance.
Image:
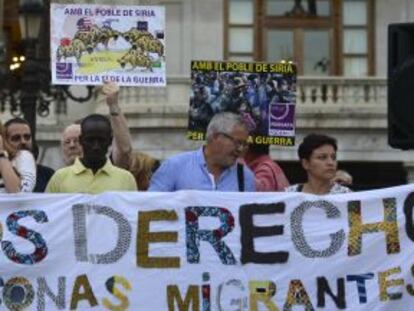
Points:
(71, 147)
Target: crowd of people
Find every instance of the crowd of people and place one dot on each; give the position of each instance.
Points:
(226, 162)
(249, 94)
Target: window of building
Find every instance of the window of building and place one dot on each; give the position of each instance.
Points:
(240, 33)
(324, 37)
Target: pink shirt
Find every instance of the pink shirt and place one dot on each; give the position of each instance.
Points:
(268, 175)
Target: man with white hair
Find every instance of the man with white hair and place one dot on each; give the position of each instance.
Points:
(212, 167)
(71, 147)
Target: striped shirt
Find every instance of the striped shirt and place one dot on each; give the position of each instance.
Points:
(25, 166)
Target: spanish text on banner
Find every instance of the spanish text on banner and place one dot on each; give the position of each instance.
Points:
(193, 250)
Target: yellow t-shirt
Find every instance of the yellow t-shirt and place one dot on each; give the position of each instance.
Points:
(79, 179)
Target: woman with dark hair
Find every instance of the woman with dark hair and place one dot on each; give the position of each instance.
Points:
(317, 154)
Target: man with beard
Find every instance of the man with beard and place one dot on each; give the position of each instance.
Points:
(213, 166)
(93, 172)
(19, 139)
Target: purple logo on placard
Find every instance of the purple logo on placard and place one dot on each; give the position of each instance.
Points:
(64, 71)
(281, 117)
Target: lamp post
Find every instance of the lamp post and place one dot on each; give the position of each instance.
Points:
(30, 17)
(29, 91)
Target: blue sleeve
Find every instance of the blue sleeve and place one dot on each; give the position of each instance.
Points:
(163, 178)
(250, 185)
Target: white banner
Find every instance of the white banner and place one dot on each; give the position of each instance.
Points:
(193, 250)
(93, 43)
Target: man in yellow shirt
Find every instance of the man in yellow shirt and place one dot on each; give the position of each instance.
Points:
(93, 173)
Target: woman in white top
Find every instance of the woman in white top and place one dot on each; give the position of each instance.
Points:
(17, 168)
(317, 154)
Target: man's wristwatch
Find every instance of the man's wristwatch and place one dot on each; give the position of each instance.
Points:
(4, 154)
(114, 110)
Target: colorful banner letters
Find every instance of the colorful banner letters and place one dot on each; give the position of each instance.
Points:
(193, 250)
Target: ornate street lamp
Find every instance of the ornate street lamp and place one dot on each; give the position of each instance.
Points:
(28, 90)
(30, 17)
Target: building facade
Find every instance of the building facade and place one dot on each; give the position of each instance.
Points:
(340, 47)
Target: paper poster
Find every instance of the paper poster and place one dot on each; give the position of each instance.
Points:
(95, 43)
(263, 93)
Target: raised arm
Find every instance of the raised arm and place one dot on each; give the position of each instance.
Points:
(122, 144)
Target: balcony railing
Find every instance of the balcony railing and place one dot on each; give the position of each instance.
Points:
(332, 91)
(341, 91)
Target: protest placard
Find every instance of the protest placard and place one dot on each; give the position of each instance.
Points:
(263, 93)
(92, 43)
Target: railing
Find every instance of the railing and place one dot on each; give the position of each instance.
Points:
(335, 91)
(341, 91)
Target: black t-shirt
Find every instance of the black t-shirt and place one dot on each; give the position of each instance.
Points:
(43, 175)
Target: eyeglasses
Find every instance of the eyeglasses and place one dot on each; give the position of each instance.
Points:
(237, 143)
(18, 137)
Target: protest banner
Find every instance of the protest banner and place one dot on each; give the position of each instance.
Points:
(193, 250)
(92, 43)
(263, 93)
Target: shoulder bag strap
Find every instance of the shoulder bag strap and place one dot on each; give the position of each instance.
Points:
(240, 177)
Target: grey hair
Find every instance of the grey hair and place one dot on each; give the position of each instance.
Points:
(224, 122)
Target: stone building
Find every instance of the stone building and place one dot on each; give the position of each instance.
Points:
(340, 47)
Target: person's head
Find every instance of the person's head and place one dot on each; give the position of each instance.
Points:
(142, 166)
(95, 138)
(317, 154)
(18, 134)
(283, 85)
(227, 136)
(70, 145)
(256, 150)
